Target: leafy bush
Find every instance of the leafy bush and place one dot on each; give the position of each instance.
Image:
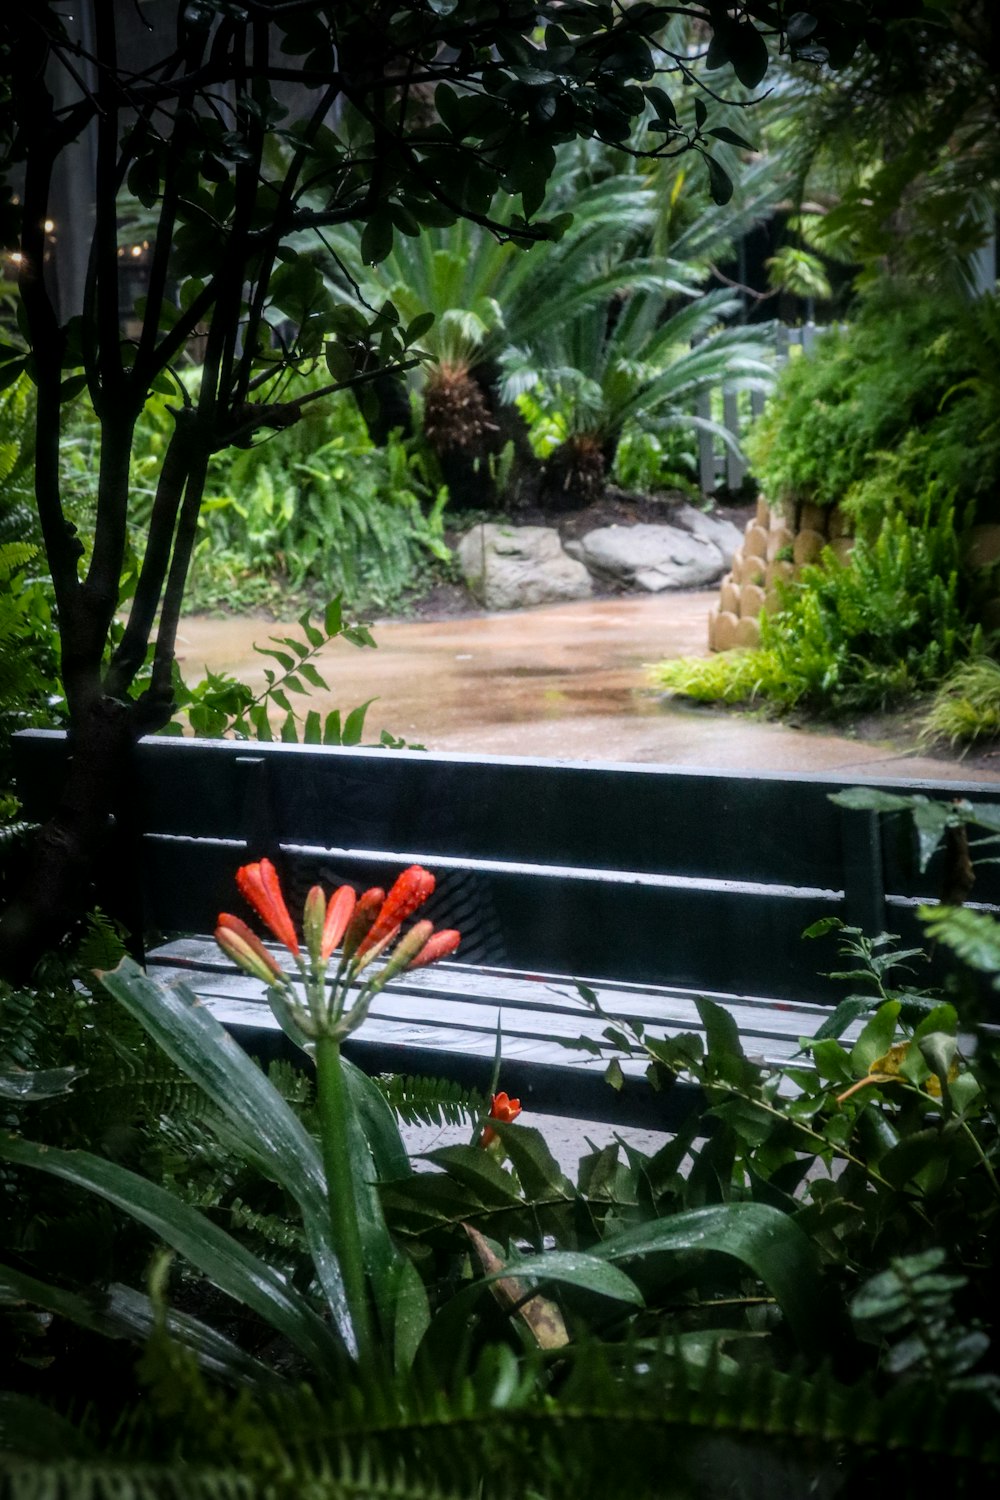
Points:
(966, 706)
(29, 649)
(891, 621)
(314, 509)
(903, 399)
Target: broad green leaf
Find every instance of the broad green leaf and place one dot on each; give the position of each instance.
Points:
(721, 1031)
(868, 799)
(767, 1241)
(534, 1272)
(723, 133)
(333, 618)
(832, 1062)
(376, 237)
(413, 1314)
(931, 820)
(938, 1050)
(418, 326)
(477, 1169)
(848, 1011)
(720, 184)
(876, 1038)
(540, 1174)
(226, 1263)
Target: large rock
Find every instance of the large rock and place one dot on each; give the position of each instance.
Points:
(509, 567)
(727, 537)
(651, 557)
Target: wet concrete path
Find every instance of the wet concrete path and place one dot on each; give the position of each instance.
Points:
(564, 681)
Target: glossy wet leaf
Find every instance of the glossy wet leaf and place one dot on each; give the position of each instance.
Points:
(264, 1127)
(876, 1038)
(226, 1263)
(763, 1238)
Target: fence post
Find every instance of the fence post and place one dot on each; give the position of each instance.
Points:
(706, 447)
(735, 466)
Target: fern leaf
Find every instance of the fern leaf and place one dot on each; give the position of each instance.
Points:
(432, 1101)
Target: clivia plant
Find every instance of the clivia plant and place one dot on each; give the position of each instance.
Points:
(493, 1303)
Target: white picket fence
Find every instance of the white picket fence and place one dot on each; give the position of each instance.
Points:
(719, 466)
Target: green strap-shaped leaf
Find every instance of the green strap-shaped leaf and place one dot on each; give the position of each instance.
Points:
(122, 1312)
(767, 1241)
(227, 1264)
(263, 1127)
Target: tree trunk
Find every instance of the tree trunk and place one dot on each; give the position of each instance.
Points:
(84, 855)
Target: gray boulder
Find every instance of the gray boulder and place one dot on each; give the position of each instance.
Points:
(651, 557)
(509, 567)
(727, 537)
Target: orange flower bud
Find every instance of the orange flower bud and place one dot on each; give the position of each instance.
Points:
(313, 918)
(438, 945)
(258, 884)
(364, 914)
(410, 890)
(246, 949)
(338, 914)
(406, 952)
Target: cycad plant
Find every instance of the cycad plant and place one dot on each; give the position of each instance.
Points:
(485, 295)
(639, 359)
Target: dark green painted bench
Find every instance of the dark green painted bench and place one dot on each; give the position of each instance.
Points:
(651, 884)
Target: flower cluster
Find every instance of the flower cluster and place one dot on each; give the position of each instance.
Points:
(364, 928)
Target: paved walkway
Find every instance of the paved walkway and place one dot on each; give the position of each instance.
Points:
(565, 681)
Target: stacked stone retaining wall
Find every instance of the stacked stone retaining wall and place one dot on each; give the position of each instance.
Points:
(777, 541)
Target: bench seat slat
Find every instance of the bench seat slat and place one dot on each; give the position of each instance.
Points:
(477, 993)
(519, 1024)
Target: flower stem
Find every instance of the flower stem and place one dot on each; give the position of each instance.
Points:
(333, 1107)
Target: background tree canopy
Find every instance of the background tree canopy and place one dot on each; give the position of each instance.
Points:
(217, 133)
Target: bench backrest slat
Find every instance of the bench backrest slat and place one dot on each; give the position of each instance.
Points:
(651, 874)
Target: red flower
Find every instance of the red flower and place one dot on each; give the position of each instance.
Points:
(246, 949)
(410, 891)
(501, 1108)
(258, 884)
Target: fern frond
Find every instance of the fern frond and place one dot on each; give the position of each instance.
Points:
(107, 1480)
(432, 1101)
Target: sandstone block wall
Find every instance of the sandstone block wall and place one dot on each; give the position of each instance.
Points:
(777, 542)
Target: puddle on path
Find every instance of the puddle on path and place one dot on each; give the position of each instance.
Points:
(562, 681)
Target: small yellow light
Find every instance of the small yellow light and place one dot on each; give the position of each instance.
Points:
(50, 224)
(137, 250)
(16, 257)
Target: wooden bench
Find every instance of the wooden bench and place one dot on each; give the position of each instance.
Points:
(651, 884)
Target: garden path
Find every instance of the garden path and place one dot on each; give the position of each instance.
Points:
(560, 681)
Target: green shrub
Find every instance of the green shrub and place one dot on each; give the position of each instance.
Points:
(29, 647)
(891, 622)
(904, 399)
(966, 706)
(314, 509)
